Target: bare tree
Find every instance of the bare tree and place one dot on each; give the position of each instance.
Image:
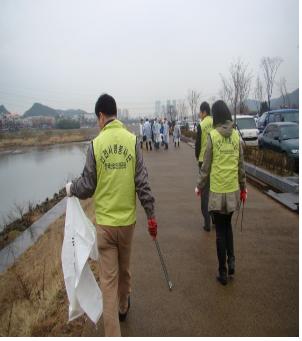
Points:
(193, 98)
(236, 88)
(258, 93)
(227, 91)
(270, 67)
(284, 92)
(171, 111)
(181, 108)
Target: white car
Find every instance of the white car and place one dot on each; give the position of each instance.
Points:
(248, 131)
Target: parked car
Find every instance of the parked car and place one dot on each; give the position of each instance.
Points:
(248, 131)
(192, 126)
(282, 137)
(282, 115)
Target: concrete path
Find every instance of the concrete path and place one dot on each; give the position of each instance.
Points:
(262, 299)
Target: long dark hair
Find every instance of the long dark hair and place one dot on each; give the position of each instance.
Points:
(221, 113)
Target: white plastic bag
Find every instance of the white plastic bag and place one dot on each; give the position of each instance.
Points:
(80, 243)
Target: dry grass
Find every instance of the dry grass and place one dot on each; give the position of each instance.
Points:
(27, 138)
(33, 299)
(276, 163)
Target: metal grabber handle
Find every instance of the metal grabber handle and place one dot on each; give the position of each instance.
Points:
(169, 283)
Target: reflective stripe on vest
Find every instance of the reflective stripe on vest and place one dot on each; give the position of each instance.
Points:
(224, 170)
(114, 197)
(206, 126)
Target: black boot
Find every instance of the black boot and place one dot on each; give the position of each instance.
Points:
(222, 278)
(231, 266)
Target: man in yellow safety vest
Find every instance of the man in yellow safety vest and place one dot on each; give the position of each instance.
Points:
(113, 174)
(203, 130)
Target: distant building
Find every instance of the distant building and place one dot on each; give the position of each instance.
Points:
(157, 108)
(42, 122)
(123, 114)
(174, 103)
(168, 104)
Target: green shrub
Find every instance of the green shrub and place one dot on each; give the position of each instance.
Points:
(66, 123)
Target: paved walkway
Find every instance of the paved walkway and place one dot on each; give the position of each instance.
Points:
(263, 298)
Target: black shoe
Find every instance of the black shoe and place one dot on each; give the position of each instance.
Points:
(231, 268)
(122, 317)
(208, 229)
(222, 278)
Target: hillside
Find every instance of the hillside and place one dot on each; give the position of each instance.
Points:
(3, 110)
(40, 110)
(276, 102)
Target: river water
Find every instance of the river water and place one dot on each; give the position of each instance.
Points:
(33, 174)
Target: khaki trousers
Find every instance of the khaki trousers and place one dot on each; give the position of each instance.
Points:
(114, 244)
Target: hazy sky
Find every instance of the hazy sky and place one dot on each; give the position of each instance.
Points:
(64, 53)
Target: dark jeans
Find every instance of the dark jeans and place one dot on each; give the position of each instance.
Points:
(224, 240)
(204, 200)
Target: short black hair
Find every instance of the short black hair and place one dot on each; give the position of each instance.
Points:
(105, 105)
(204, 106)
(221, 113)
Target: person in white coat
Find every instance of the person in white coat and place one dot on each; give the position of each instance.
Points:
(156, 133)
(176, 134)
(147, 132)
(140, 137)
(166, 134)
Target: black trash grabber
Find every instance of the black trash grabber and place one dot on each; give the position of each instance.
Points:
(241, 215)
(238, 214)
(169, 283)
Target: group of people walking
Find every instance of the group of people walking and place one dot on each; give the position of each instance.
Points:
(157, 133)
(115, 172)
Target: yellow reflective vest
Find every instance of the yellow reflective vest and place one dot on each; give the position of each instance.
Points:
(115, 197)
(225, 158)
(206, 126)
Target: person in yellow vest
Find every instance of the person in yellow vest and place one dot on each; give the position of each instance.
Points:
(203, 129)
(223, 164)
(113, 174)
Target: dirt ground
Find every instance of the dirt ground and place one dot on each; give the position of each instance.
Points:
(262, 299)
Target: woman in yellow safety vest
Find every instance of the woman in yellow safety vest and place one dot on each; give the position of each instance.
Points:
(223, 164)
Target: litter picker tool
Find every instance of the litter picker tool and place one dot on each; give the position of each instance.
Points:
(169, 283)
(241, 215)
(238, 214)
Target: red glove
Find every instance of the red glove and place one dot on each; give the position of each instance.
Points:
(243, 196)
(152, 226)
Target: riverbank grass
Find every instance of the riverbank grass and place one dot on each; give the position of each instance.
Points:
(34, 137)
(33, 298)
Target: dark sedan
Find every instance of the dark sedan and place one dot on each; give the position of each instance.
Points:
(280, 115)
(282, 137)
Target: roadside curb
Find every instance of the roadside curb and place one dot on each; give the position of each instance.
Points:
(10, 253)
(283, 184)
